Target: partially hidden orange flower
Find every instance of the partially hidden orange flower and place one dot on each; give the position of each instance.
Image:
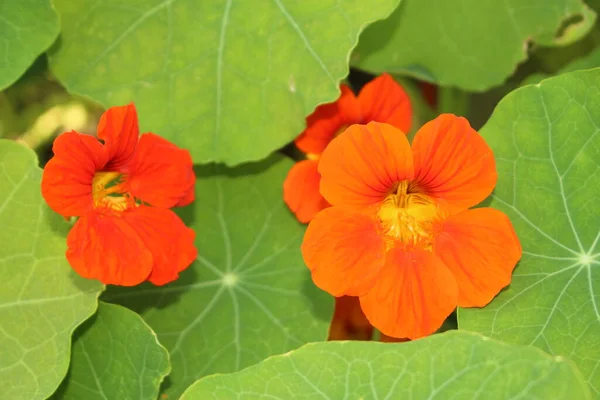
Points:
(121, 186)
(400, 235)
(381, 100)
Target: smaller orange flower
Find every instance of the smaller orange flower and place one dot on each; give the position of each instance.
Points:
(400, 235)
(381, 100)
(121, 187)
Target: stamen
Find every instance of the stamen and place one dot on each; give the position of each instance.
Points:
(109, 192)
(408, 217)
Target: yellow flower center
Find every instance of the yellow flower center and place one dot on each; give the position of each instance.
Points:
(108, 192)
(408, 217)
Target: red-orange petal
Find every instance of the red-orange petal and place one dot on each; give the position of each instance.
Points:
(344, 251)
(161, 174)
(362, 165)
(453, 163)
(301, 190)
(414, 294)
(67, 177)
(188, 197)
(107, 248)
(118, 128)
(168, 239)
(384, 100)
(327, 120)
(481, 249)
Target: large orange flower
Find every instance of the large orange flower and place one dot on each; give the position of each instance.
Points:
(400, 234)
(122, 187)
(381, 100)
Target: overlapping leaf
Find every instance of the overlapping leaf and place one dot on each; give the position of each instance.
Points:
(27, 29)
(546, 139)
(230, 81)
(249, 295)
(471, 44)
(115, 356)
(42, 300)
(445, 366)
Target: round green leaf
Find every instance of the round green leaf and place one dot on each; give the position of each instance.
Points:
(471, 44)
(27, 29)
(42, 300)
(230, 81)
(249, 295)
(115, 356)
(451, 365)
(546, 139)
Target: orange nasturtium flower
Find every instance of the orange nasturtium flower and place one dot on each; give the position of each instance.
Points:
(400, 235)
(121, 187)
(381, 100)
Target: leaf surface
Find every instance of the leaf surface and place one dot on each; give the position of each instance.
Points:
(546, 139)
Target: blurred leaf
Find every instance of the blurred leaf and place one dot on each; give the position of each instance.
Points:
(249, 295)
(230, 81)
(471, 44)
(592, 60)
(547, 145)
(446, 366)
(28, 28)
(42, 300)
(115, 356)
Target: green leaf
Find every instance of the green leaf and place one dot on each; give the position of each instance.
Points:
(547, 145)
(249, 295)
(471, 44)
(451, 365)
(115, 356)
(230, 81)
(42, 300)
(27, 28)
(591, 60)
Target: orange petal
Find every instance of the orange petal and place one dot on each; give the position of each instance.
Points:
(161, 173)
(107, 248)
(384, 100)
(349, 322)
(301, 191)
(67, 177)
(414, 294)
(481, 249)
(344, 251)
(349, 107)
(327, 120)
(453, 163)
(119, 129)
(362, 166)
(169, 240)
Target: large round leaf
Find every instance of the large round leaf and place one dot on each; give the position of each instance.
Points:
(27, 29)
(230, 81)
(249, 295)
(452, 365)
(115, 356)
(472, 44)
(546, 139)
(42, 300)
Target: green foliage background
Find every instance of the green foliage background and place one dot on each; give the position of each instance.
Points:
(233, 82)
